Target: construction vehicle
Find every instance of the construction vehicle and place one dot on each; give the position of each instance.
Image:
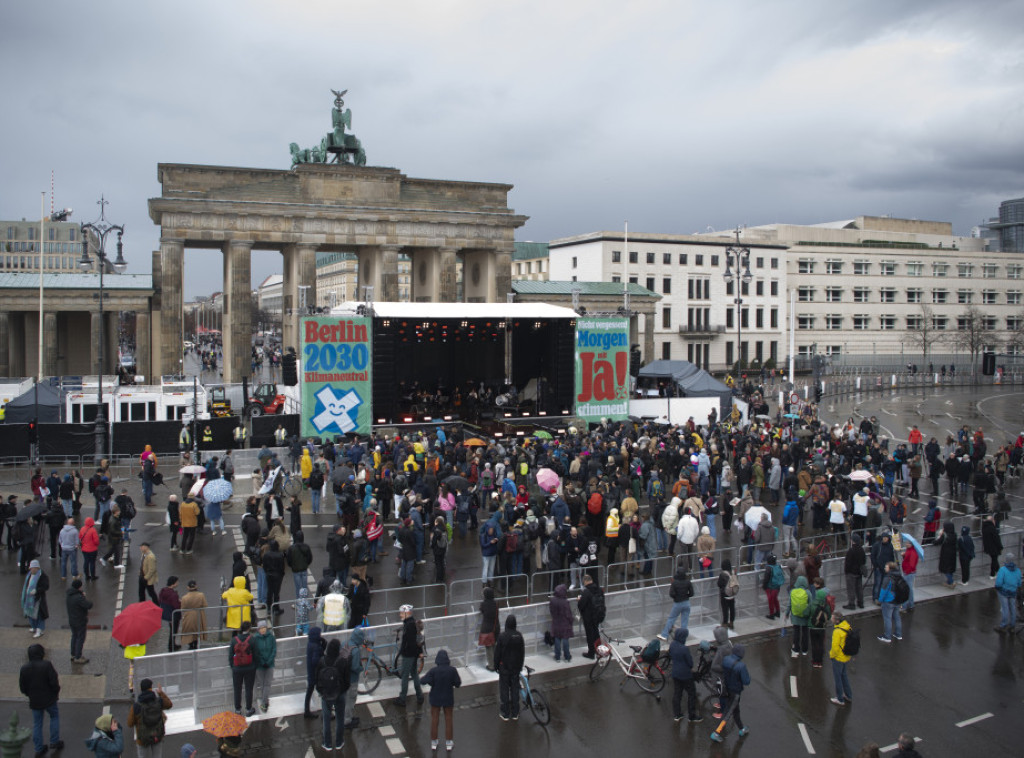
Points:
(266, 401)
(219, 405)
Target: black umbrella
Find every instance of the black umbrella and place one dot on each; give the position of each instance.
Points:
(30, 511)
(456, 482)
(340, 474)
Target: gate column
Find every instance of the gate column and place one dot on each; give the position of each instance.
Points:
(299, 271)
(172, 265)
(237, 322)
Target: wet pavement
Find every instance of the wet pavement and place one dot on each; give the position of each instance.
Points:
(916, 686)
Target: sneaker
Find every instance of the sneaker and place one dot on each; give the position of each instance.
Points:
(963, 583)
(572, 587)
(897, 638)
(999, 628)
(250, 712)
(503, 717)
(58, 745)
(884, 639)
(516, 717)
(677, 719)
(102, 562)
(433, 744)
(818, 665)
(174, 549)
(449, 745)
(696, 719)
(37, 633)
(803, 652)
(80, 661)
(663, 638)
(716, 737)
(744, 731)
(120, 567)
(836, 701)
(326, 747)
(794, 654)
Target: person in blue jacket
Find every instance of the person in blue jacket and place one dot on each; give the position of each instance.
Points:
(682, 677)
(442, 680)
(1007, 583)
(736, 678)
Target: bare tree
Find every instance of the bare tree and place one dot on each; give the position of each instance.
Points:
(970, 335)
(925, 336)
(1015, 335)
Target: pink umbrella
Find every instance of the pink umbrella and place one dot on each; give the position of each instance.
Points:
(547, 480)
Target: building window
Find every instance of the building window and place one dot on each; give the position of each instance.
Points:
(988, 323)
(887, 323)
(773, 288)
(616, 256)
(805, 294)
(914, 295)
(887, 295)
(666, 259)
(834, 268)
(53, 233)
(915, 268)
(730, 318)
(775, 262)
(666, 351)
(861, 294)
(887, 268)
(10, 232)
(805, 266)
(666, 318)
(634, 279)
(1013, 270)
(939, 296)
(939, 323)
(833, 294)
(634, 256)
(759, 318)
(963, 323)
(833, 349)
(861, 268)
(914, 323)
(682, 259)
(805, 322)
(759, 287)
(714, 260)
(650, 283)
(616, 279)
(988, 297)
(730, 288)
(965, 270)
(744, 317)
(71, 234)
(989, 270)
(698, 289)
(1013, 323)
(698, 260)
(31, 232)
(833, 322)
(861, 322)
(1013, 297)
(744, 288)
(940, 269)
(650, 257)
(574, 261)
(773, 318)
(666, 285)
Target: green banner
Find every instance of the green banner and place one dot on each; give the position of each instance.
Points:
(335, 368)
(602, 368)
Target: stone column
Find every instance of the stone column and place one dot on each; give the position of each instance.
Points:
(237, 332)
(478, 276)
(648, 354)
(153, 369)
(502, 275)
(143, 354)
(447, 291)
(172, 266)
(111, 346)
(299, 270)
(424, 274)
(388, 274)
(369, 274)
(16, 342)
(5, 345)
(50, 344)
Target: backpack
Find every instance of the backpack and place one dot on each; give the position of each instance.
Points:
(657, 489)
(778, 578)
(532, 530)
(328, 680)
(128, 511)
(242, 654)
(820, 615)
(441, 539)
(900, 589)
(512, 542)
(148, 468)
(149, 722)
(599, 607)
(851, 645)
(732, 587)
(651, 651)
(798, 603)
(595, 504)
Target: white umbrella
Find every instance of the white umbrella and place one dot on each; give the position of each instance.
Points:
(861, 475)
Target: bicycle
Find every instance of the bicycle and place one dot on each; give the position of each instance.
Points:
(702, 674)
(370, 678)
(533, 698)
(648, 675)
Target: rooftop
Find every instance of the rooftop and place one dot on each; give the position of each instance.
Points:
(587, 289)
(76, 281)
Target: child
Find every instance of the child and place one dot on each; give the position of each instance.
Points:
(303, 607)
(442, 679)
(257, 481)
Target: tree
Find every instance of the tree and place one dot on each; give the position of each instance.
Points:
(1015, 334)
(970, 336)
(925, 336)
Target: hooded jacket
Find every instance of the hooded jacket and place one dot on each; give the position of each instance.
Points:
(682, 661)
(801, 585)
(106, 744)
(1008, 579)
(681, 590)
(510, 650)
(442, 679)
(736, 675)
(670, 518)
(78, 608)
(561, 614)
(89, 537)
(947, 548)
(240, 600)
(839, 641)
(965, 545)
(38, 680)
(723, 648)
(265, 646)
(315, 647)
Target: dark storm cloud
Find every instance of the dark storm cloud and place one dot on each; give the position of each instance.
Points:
(678, 116)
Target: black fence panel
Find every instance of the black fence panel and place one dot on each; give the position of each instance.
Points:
(131, 437)
(223, 433)
(263, 428)
(67, 439)
(14, 441)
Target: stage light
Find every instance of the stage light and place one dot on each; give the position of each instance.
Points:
(465, 324)
(565, 413)
(387, 322)
(520, 434)
(407, 419)
(508, 415)
(543, 413)
(525, 413)
(447, 418)
(499, 434)
(428, 418)
(381, 421)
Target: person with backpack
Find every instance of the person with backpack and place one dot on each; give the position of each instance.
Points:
(591, 606)
(682, 678)
(736, 678)
(771, 583)
(1008, 580)
(820, 615)
(146, 716)
(333, 679)
(509, 656)
(728, 588)
(893, 593)
(442, 680)
(680, 591)
(845, 645)
(965, 550)
(242, 660)
(799, 613)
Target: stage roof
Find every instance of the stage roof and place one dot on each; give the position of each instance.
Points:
(461, 310)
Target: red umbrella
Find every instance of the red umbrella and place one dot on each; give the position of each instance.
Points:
(136, 623)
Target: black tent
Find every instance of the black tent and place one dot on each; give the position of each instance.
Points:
(689, 381)
(23, 409)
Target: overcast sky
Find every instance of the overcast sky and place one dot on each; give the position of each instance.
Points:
(671, 114)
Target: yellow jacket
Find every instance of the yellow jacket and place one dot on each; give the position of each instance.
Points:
(239, 599)
(305, 464)
(611, 525)
(838, 641)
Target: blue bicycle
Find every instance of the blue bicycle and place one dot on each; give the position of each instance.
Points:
(533, 699)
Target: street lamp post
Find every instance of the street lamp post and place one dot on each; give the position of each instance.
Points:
(741, 257)
(101, 229)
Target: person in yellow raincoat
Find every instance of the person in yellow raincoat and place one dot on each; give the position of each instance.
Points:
(611, 533)
(239, 600)
(305, 465)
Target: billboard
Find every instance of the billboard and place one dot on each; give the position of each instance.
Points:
(334, 370)
(602, 368)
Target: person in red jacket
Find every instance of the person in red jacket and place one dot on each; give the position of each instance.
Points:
(909, 566)
(915, 438)
(90, 540)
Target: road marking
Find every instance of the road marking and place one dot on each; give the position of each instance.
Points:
(387, 730)
(975, 720)
(894, 746)
(281, 723)
(394, 745)
(376, 709)
(310, 753)
(807, 739)
(792, 686)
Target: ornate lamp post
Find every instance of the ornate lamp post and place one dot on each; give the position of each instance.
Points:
(101, 229)
(741, 257)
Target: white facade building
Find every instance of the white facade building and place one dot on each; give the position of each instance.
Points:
(696, 319)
